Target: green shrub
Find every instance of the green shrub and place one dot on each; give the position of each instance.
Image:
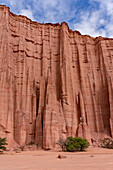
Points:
(107, 143)
(2, 144)
(73, 144)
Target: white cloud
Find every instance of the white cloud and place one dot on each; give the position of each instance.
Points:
(97, 22)
(90, 24)
(28, 13)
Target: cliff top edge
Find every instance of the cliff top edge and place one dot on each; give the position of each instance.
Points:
(25, 18)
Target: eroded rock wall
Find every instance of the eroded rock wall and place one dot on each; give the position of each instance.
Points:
(54, 82)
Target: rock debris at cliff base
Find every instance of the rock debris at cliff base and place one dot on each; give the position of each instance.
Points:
(54, 82)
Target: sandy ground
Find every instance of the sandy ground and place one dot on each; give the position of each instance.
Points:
(92, 159)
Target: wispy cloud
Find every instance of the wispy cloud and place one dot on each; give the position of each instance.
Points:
(53, 11)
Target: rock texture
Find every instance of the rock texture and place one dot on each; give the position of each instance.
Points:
(54, 82)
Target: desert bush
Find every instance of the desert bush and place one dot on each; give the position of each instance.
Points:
(73, 144)
(107, 143)
(2, 144)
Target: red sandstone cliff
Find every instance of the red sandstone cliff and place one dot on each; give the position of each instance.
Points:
(54, 82)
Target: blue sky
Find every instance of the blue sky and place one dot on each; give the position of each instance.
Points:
(93, 17)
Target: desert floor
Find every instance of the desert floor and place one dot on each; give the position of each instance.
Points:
(92, 159)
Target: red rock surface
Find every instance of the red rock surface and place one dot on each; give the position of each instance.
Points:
(54, 82)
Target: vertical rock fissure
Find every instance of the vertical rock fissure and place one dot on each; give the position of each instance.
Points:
(37, 102)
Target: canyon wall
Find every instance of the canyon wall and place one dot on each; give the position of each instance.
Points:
(54, 82)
